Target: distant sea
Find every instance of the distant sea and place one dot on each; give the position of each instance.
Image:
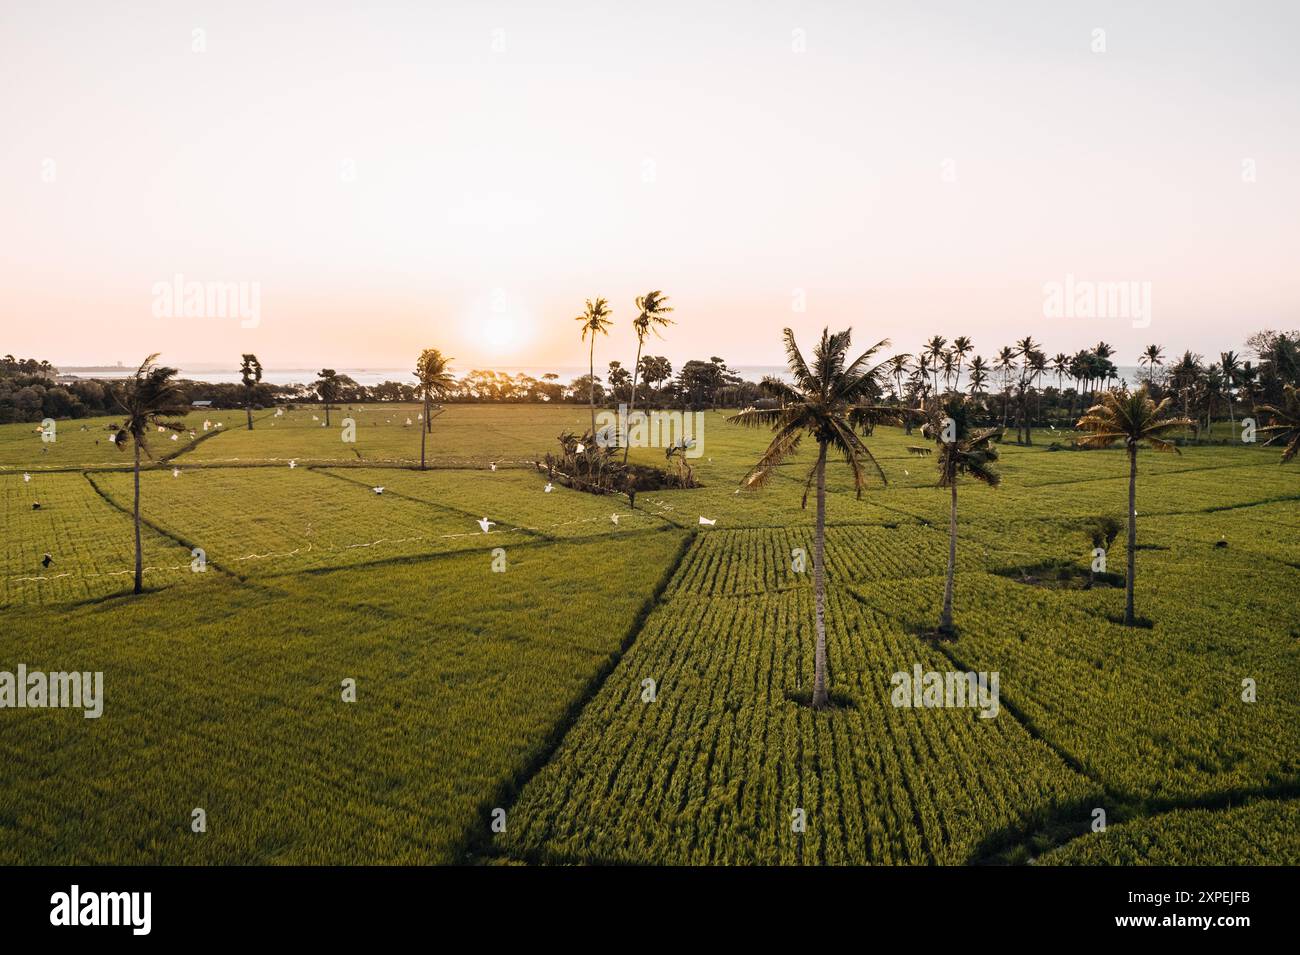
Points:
(375, 376)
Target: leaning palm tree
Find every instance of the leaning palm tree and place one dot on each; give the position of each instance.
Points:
(250, 371)
(150, 398)
(434, 381)
(828, 402)
(962, 453)
(1286, 426)
(595, 319)
(652, 308)
(1131, 417)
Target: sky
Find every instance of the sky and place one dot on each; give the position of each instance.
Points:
(383, 177)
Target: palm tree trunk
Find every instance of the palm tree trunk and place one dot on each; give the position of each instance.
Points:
(945, 626)
(327, 414)
(139, 554)
(1132, 534)
(249, 408)
(591, 380)
(423, 432)
(819, 695)
(626, 424)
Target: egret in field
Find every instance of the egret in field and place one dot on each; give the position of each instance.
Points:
(176, 472)
(176, 437)
(614, 518)
(485, 524)
(292, 463)
(549, 487)
(705, 520)
(26, 478)
(493, 466)
(378, 490)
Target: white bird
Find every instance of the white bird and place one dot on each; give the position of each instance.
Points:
(549, 488)
(408, 422)
(314, 418)
(377, 490)
(220, 424)
(614, 518)
(176, 472)
(705, 520)
(579, 449)
(485, 524)
(906, 472)
(26, 477)
(493, 465)
(176, 437)
(279, 412)
(293, 464)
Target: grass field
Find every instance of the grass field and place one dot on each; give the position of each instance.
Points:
(507, 670)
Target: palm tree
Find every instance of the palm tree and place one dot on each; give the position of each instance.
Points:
(652, 309)
(328, 389)
(934, 350)
(1286, 426)
(1103, 351)
(1153, 355)
(961, 347)
(150, 398)
(434, 381)
(961, 453)
(1131, 417)
(896, 367)
(1005, 362)
(1230, 363)
(826, 403)
(250, 370)
(1184, 374)
(595, 319)
(979, 373)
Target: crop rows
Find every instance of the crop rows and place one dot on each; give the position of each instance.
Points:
(712, 771)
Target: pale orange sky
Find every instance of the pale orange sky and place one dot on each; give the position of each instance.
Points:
(586, 149)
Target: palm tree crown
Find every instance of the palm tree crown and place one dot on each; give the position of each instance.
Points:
(1286, 429)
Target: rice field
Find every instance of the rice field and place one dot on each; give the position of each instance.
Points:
(584, 682)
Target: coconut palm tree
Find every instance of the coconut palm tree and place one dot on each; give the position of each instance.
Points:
(828, 404)
(961, 347)
(1151, 356)
(896, 368)
(1286, 426)
(250, 370)
(934, 350)
(328, 389)
(1230, 364)
(1005, 362)
(652, 308)
(962, 453)
(595, 319)
(433, 381)
(1184, 374)
(979, 373)
(150, 399)
(1131, 417)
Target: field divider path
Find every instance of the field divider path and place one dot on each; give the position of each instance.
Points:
(476, 843)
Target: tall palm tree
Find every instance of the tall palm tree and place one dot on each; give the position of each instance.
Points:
(434, 381)
(328, 389)
(1184, 375)
(961, 453)
(961, 347)
(652, 309)
(1005, 362)
(1286, 426)
(827, 403)
(595, 319)
(1131, 417)
(250, 370)
(150, 399)
(1230, 364)
(1103, 351)
(979, 373)
(934, 350)
(896, 368)
(1151, 356)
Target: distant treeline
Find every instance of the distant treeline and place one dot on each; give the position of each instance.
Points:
(1015, 386)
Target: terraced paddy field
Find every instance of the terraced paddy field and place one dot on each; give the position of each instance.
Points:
(585, 682)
